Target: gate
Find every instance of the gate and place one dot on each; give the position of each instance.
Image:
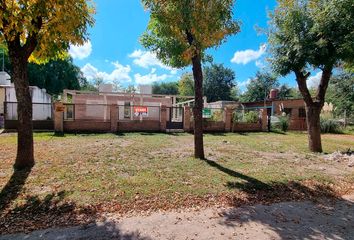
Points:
(175, 118)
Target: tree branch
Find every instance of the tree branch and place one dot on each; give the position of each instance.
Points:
(190, 37)
(301, 81)
(322, 87)
(32, 39)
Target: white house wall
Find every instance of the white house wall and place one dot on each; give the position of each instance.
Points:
(42, 108)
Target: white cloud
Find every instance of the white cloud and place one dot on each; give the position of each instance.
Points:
(260, 64)
(173, 72)
(148, 59)
(120, 73)
(80, 51)
(314, 81)
(246, 56)
(244, 83)
(150, 78)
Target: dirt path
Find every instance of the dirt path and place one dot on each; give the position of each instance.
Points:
(290, 220)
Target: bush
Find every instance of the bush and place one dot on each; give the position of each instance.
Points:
(217, 116)
(330, 126)
(284, 123)
(237, 116)
(251, 117)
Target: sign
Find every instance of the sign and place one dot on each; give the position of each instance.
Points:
(141, 111)
(206, 113)
(60, 108)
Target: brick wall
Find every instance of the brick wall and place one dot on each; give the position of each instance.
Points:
(86, 126)
(247, 127)
(209, 126)
(139, 126)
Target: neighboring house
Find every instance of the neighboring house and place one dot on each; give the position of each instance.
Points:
(4, 82)
(42, 101)
(294, 108)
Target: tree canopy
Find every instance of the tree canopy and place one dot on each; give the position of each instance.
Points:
(259, 87)
(165, 88)
(44, 29)
(310, 34)
(219, 83)
(179, 28)
(186, 85)
(341, 94)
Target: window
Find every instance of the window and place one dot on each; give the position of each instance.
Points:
(302, 113)
(287, 111)
(127, 110)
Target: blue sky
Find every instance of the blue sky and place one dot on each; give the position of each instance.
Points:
(115, 54)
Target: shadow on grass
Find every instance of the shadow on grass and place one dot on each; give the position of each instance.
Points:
(13, 188)
(52, 211)
(255, 188)
(277, 131)
(216, 134)
(249, 184)
(323, 216)
(331, 218)
(242, 133)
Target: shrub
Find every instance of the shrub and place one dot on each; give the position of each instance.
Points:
(330, 126)
(251, 117)
(217, 116)
(284, 123)
(237, 116)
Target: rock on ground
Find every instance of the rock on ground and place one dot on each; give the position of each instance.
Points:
(290, 220)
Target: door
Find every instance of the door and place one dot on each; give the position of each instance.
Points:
(175, 118)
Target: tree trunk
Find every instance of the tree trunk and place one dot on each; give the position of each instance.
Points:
(313, 127)
(314, 105)
(25, 153)
(198, 108)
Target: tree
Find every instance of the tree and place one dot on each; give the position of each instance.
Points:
(170, 88)
(259, 87)
(38, 29)
(311, 34)
(186, 85)
(285, 92)
(179, 32)
(130, 89)
(55, 76)
(341, 93)
(219, 82)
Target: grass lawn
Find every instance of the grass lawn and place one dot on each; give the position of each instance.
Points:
(140, 171)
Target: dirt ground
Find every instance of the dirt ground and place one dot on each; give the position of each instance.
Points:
(289, 220)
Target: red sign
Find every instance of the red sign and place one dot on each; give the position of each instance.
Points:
(140, 109)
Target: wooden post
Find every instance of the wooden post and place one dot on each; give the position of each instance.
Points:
(264, 120)
(163, 118)
(187, 119)
(114, 118)
(59, 109)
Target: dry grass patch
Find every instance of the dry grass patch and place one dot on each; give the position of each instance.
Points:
(137, 171)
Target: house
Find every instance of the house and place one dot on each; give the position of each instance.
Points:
(95, 105)
(294, 108)
(42, 101)
(4, 82)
